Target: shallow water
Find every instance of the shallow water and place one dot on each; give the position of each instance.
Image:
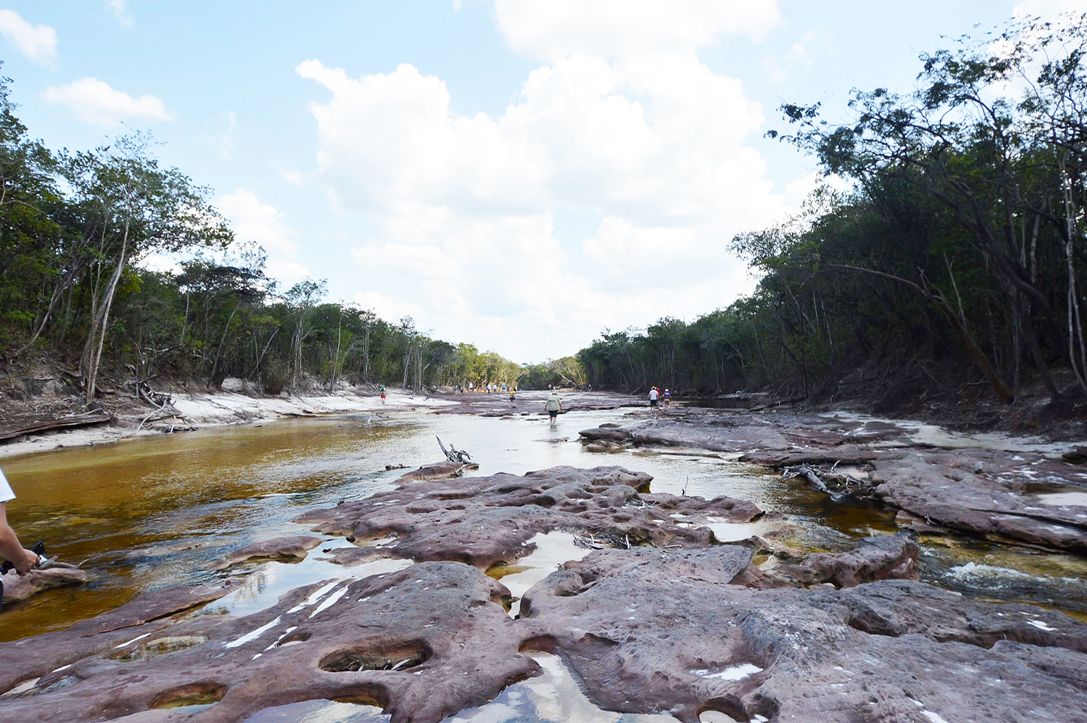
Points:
(160, 511)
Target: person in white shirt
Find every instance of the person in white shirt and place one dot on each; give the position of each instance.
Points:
(10, 549)
(654, 395)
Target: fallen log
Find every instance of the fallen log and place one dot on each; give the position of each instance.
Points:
(808, 474)
(45, 425)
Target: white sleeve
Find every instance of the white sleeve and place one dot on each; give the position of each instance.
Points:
(5, 489)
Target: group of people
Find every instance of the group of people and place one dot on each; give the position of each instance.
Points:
(489, 388)
(656, 397)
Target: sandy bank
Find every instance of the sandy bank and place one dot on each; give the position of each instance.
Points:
(206, 409)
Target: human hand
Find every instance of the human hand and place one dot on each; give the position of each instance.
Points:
(30, 560)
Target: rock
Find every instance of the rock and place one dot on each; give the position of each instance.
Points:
(662, 634)
(609, 433)
(18, 588)
(942, 489)
(874, 558)
(284, 549)
(486, 520)
(1076, 455)
(441, 470)
(423, 643)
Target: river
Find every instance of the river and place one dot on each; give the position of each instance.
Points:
(153, 512)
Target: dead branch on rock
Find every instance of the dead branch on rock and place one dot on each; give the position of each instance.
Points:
(807, 473)
(453, 454)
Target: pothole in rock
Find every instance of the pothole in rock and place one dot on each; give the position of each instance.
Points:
(157, 647)
(552, 550)
(553, 697)
(265, 586)
(193, 697)
(320, 710)
(402, 656)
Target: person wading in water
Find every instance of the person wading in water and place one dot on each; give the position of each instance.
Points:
(554, 406)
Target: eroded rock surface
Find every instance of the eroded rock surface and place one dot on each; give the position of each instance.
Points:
(485, 520)
(979, 493)
(971, 490)
(650, 630)
(423, 643)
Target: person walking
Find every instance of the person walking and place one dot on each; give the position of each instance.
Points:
(667, 398)
(553, 406)
(654, 397)
(382, 390)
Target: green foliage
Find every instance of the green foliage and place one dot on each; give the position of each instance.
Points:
(70, 280)
(961, 241)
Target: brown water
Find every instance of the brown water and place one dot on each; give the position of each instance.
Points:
(155, 512)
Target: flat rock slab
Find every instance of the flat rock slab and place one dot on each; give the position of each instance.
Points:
(970, 490)
(658, 633)
(486, 520)
(284, 549)
(439, 470)
(423, 643)
(18, 588)
(945, 489)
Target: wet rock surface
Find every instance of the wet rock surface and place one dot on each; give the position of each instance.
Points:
(982, 492)
(658, 618)
(18, 588)
(531, 403)
(294, 547)
(486, 520)
(422, 643)
(651, 630)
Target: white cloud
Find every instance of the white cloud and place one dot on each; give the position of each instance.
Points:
(291, 176)
(226, 140)
(623, 123)
(36, 42)
(96, 102)
(385, 307)
(627, 28)
(287, 273)
(257, 222)
(1048, 9)
(124, 17)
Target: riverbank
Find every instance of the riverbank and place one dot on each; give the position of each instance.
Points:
(189, 411)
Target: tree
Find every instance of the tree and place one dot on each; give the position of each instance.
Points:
(132, 207)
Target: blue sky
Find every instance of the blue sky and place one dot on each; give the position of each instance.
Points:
(515, 175)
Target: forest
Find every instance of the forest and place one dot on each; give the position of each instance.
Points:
(955, 256)
(74, 228)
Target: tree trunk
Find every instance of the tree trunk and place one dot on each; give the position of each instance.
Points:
(92, 350)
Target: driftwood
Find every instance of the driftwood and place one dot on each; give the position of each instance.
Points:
(807, 473)
(75, 420)
(453, 454)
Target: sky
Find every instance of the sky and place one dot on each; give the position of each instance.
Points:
(516, 175)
